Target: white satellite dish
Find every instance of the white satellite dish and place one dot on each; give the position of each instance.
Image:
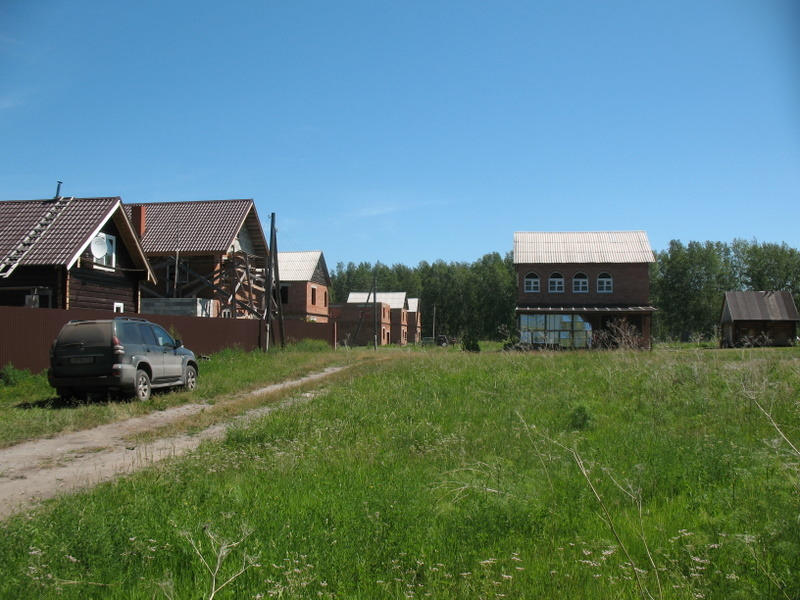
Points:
(99, 247)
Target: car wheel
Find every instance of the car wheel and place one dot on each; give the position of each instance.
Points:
(142, 387)
(190, 381)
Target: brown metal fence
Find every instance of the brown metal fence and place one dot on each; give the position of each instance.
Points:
(26, 334)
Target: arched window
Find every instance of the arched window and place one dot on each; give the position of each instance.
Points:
(605, 283)
(556, 283)
(580, 283)
(532, 282)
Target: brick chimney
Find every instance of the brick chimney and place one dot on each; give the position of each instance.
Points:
(138, 218)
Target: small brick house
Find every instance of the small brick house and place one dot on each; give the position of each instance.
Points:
(219, 248)
(398, 305)
(758, 318)
(414, 321)
(71, 252)
(305, 285)
(356, 323)
(573, 285)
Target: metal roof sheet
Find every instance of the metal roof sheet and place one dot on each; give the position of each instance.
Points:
(542, 247)
(199, 226)
(413, 305)
(759, 306)
(299, 266)
(393, 299)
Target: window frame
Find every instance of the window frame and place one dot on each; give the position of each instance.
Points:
(605, 283)
(555, 283)
(532, 283)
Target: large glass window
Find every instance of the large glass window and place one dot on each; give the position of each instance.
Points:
(563, 331)
(556, 283)
(605, 283)
(580, 283)
(532, 282)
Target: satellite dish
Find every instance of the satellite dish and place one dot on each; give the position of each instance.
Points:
(99, 247)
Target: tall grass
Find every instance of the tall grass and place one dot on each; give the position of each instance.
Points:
(455, 475)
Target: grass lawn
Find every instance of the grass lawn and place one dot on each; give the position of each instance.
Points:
(456, 475)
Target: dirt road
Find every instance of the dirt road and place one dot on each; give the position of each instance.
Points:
(40, 469)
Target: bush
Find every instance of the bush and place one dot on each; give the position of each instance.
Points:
(11, 376)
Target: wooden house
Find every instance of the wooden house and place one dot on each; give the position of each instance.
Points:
(220, 251)
(305, 284)
(759, 318)
(398, 305)
(70, 252)
(575, 289)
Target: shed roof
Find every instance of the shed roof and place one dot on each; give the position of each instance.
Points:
(759, 306)
(302, 266)
(393, 299)
(542, 247)
(67, 226)
(199, 226)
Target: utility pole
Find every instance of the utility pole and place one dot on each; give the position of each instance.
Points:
(375, 306)
(270, 288)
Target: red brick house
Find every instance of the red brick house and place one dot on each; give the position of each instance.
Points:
(70, 252)
(219, 247)
(398, 305)
(573, 285)
(304, 286)
(356, 323)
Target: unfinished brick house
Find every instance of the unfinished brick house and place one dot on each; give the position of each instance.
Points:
(398, 305)
(220, 251)
(304, 286)
(573, 285)
(70, 252)
(357, 324)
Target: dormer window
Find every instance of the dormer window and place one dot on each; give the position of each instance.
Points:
(556, 283)
(580, 283)
(605, 283)
(532, 283)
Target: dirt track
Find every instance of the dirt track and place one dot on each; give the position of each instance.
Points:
(40, 469)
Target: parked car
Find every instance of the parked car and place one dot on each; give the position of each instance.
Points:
(126, 356)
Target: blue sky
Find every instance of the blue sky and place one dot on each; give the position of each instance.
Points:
(415, 130)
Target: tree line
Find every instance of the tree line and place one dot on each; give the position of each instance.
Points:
(687, 284)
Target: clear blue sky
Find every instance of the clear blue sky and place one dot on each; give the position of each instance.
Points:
(415, 130)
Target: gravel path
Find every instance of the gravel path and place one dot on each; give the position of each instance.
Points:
(41, 469)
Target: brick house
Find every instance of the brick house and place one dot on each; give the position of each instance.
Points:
(398, 305)
(758, 318)
(573, 285)
(221, 253)
(414, 321)
(70, 252)
(305, 285)
(356, 323)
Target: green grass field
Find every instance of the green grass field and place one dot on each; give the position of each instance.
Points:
(455, 475)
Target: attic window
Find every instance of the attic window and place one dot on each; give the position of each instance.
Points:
(580, 283)
(109, 259)
(605, 283)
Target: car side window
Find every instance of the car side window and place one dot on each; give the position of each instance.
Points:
(163, 337)
(131, 333)
(148, 335)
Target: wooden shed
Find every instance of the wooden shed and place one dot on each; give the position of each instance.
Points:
(765, 318)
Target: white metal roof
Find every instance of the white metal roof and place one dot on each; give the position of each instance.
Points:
(298, 266)
(393, 299)
(413, 305)
(582, 247)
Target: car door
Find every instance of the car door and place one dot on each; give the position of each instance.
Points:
(173, 362)
(152, 351)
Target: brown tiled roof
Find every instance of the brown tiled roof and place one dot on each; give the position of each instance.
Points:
(759, 306)
(199, 227)
(64, 236)
(62, 240)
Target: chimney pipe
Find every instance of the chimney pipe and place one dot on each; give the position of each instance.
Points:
(139, 219)
(58, 190)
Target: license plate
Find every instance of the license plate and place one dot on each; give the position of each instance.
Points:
(81, 360)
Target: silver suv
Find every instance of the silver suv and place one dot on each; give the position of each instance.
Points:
(125, 356)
